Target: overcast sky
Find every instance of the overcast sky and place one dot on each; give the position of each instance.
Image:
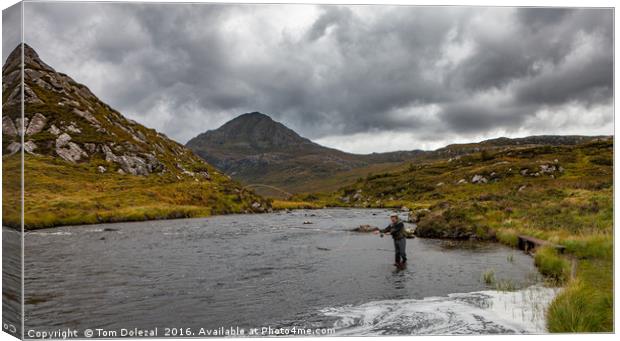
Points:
(358, 78)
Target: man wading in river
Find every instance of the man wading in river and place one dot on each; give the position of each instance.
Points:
(397, 230)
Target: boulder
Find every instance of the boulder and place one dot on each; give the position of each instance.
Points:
(366, 228)
(416, 215)
(29, 147)
(73, 129)
(14, 147)
(479, 179)
(101, 169)
(8, 127)
(70, 151)
(90, 147)
(54, 130)
(87, 116)
(62, 140)
(21, 125)
(37, 123)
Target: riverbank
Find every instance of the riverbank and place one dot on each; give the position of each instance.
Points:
(560, 194)
(60, 194)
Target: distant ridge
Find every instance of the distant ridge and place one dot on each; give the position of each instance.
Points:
(254, 148)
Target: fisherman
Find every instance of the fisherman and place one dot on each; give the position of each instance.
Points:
(397, 230)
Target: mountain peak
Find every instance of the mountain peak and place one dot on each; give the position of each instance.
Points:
(253, 132)
(255, 115)
(31, 59)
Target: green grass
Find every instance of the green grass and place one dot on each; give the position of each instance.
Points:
(552, 265)
(58, 193)
(586, 304)
(488, 277)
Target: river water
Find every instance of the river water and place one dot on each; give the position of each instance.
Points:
(273, 270)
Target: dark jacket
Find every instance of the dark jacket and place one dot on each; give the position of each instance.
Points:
(396, 230)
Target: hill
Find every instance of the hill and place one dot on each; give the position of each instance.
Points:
(255, 149)
(258, 151)
(84, 162)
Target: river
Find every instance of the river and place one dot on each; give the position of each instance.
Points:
(273, 270)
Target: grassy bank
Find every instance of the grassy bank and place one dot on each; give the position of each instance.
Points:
(560, 194)
(59, 193)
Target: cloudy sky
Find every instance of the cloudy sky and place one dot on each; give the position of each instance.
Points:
(359, 78)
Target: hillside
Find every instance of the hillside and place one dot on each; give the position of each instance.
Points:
(255, 149)
(562, 194)
(86, 163)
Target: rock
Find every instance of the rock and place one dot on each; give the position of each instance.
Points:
(73, 129)
(439, 184)
(21, 125)
(54, 130)
(415, 216)
(29, 147)
(345, 199)
(357, 196)
(524, 172)
(62, 140)
(37, 123)
(14, 147)
(87, 116)
(256, 205)
(404, 209)
(109, 155)
(479, 179)
(101, 169)
(522, 187)
(120, 171)
(8, 127)
(90, 147)
(365, 228)
(70, 151)
(205, 175)
(30, 97)
(307, 222)
(462, 181)
(409, 232)
(133, 165)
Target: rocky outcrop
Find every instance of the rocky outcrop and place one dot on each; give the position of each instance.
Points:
(8, 127)
(68, 150)
(36, 125)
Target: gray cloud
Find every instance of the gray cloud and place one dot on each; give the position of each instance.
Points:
(339, 73)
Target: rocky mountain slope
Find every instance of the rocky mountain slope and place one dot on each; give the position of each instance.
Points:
(255, 149)
(67, 126)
